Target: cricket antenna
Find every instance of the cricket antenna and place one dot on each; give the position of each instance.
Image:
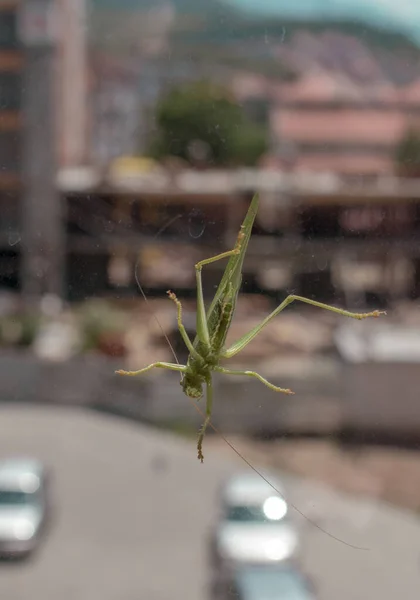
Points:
(301, 513)
(239, 454)
(151, 312)
(231, 446)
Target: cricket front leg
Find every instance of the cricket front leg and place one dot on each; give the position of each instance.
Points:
(273, 387)
(209, 406)
(158, 365)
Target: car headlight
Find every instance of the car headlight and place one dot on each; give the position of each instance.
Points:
(275, 508)
(23, 530)
(281, 549)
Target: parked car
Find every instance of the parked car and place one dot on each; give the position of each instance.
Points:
(264, 582)
(255, 525)
(24, 505)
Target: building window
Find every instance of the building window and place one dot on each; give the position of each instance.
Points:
(10, 151)
(257, 109)
(8, 30)
(10, 91)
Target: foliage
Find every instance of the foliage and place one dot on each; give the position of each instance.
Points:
(408, 154)
(102, 327)
(248, 145)
(19, 329)
(201, 123)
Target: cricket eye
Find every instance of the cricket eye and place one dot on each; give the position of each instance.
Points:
(194, 391)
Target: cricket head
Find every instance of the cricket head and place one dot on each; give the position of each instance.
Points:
(192, 385)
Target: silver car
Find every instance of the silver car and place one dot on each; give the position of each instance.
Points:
(266, 582)
(255, 525)
(24, 505)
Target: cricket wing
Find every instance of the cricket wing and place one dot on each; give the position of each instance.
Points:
(232, 276)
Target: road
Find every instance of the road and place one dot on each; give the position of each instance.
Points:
(133, 508)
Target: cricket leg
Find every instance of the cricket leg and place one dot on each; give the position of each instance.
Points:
(202, 329)
(257, 376)
(209, 406)
(244, 341)
(181, 327)
(159, 365)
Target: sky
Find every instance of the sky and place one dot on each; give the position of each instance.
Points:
(403, 15)
(398, 15)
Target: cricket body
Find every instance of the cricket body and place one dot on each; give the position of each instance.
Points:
(212, 326)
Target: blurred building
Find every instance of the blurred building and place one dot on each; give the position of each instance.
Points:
(66, 23)
(115, 100)
(336, 125)
(325, 122)
(348, 108)
(11, 74)
(72, 84)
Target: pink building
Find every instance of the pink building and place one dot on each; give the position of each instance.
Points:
(326, 122)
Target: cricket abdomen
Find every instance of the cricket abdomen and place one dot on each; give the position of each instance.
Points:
(219, 334)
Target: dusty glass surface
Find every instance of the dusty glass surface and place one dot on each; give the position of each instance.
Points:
(134, 135)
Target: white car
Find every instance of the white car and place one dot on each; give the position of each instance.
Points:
(255, 526)
(24, 504)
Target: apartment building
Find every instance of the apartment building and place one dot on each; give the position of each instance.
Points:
(327, 122)
(11, 74)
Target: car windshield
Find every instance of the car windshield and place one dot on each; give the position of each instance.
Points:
(271, 584)
(248, 514)
(8, 497)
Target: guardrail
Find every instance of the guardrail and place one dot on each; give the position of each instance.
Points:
(231, 182)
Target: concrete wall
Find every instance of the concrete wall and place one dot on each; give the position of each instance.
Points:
(383, 399)
(239, 405)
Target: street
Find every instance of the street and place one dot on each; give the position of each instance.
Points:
(133, 508)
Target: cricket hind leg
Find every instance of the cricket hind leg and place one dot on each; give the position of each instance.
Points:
(202, 431)
(244, 341)
(273, 387)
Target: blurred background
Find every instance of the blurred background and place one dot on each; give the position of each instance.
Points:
(133, 135)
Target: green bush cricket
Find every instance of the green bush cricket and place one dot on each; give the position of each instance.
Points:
(208, 347)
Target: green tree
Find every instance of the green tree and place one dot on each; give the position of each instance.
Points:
(201, 123)
(408, 154)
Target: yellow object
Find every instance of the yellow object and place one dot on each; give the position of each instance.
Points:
(130, 165)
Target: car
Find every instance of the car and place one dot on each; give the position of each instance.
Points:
(265, 582)
(24, 505)
(255, 525)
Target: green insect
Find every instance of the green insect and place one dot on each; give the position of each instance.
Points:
(208, 347)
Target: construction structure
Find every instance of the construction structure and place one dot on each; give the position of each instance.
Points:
(316, 236)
